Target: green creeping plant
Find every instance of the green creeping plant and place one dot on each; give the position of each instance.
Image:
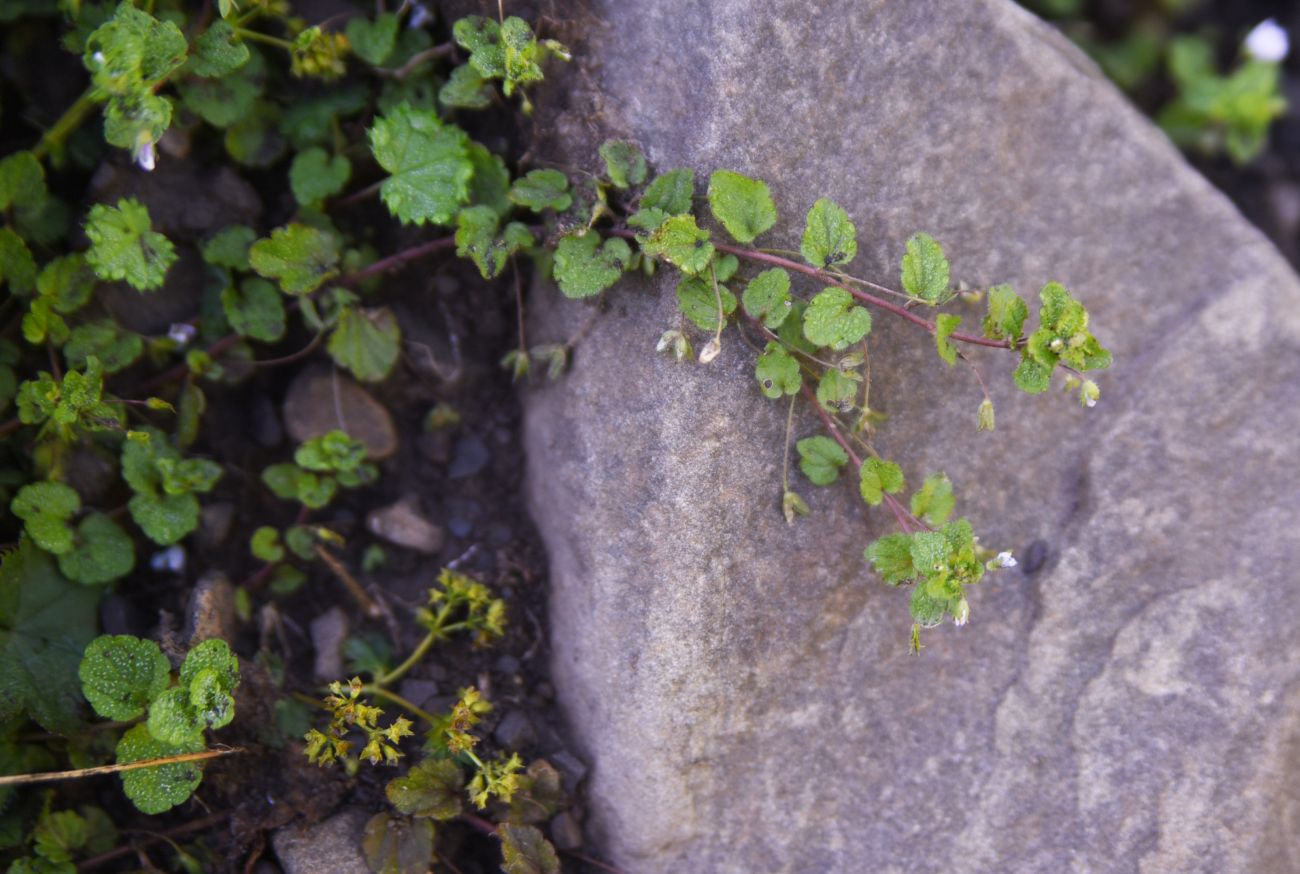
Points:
(810, 342)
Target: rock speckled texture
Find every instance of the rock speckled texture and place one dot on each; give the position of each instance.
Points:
(741, 689)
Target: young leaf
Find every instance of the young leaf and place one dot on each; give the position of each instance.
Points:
(229, 248)
(429, 162)
(211, 655)
(298, 256)
(837, 390)
(671, 192)
(366, 342)
(891, 556)
(1032, 378)
(210, 700)
(829, 237)
(161, 787)
(430, 789)
(925, 269)
(682, 243)
(331, 452)
(17, 267)
(777, 372)
(265, 544)
(743, 205)
(121, 675)
(477, 239)
(115, 348)
(584, 267)
(217, 52)
(255, 309)
(466, 89)
(314, 175)
(934, 501)
(45, 508)
(525, 851)
(944, 325)
(832, 320)
(1007, 314)
(820, 459)
(624, 163)
(123, 245)
(542, 189)
(699, 302)
(373, 41)
(165, 519)
(45, 624)
(101, 552)
(926, 608)
(767, 297)
(877, 477)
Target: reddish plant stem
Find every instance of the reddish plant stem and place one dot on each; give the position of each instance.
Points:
(392, 262)
(831, 425)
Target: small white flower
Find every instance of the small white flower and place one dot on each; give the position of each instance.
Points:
(710, 350)
(1006, 559)
(1090, 402)
(170, 559)
(1268, 41)
(98, 58)
(182, 333)
(145, 157)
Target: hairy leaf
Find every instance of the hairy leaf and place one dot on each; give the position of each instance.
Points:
(820, 459)
(670, 192)
(681, 242)
(876, 477)
(944, 325)
(829, 237)
(698, 301)
(101, 552)
(891, 556)
(624, 163)
(45, 508)
(217, 52)
(161, 787)
(525, 851)
(833, 320)
(934, 501)
(373, 41)
(777, 372)
(366, 342)
(925, 269)
(123, 245)
(429, 162)
(255, 310)
(121, 675)
(542, 189)
(767, 297)
(314, 175)
(743, 205)
(585, 267)
(299, 257)
(1006, 315)
(430, 789)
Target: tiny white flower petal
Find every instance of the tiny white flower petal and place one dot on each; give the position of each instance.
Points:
(1006, 559)
(962, 614)
(145, 157)
(710, 350)
(1268, 41)
(182, 333)
(1090, 402)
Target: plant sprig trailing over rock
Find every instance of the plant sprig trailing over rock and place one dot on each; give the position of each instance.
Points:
(812, 343)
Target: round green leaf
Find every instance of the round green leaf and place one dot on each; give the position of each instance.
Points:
(214, 655)
(101, 552)
(161, 787)
(172, 718)
(832, 320)
(121, 675)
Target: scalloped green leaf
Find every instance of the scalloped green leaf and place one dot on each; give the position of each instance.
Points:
(158, 788)
(876, 478)
(698, 301)
(829, 237)
(837, 390)
(373, 41)
(45, 508)
(624, 163)
(431, 789)
(777, 372)
(315, 175)
(172, 718)
(934, 501)
(211, 655)
(585, 267)
(366, 342)
(217, 52)
(525, 851)
(891, 556)
(104, 339)
(255, 309)
(429, 164)
(542, 189)
(124, 246)
(121, 675)
(682, 243)
(833, 320)
(670, 192)
(944, 325)
(767, 297)
(1006, 314)
(297, 256)
(743, 205)
(924, 269)
(820, 459)
(101, 553)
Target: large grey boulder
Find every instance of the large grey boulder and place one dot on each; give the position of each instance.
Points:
(1128, 700)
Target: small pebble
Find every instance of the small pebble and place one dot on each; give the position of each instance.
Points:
(403, 525)
(328, 633)
(470, 456)
(566, 832)
(515, 731)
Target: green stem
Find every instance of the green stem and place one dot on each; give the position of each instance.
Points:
(258, 36)
(66, 125)
(378, 692)
(418, 653)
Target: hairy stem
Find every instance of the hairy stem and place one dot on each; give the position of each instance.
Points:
(66, 125)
